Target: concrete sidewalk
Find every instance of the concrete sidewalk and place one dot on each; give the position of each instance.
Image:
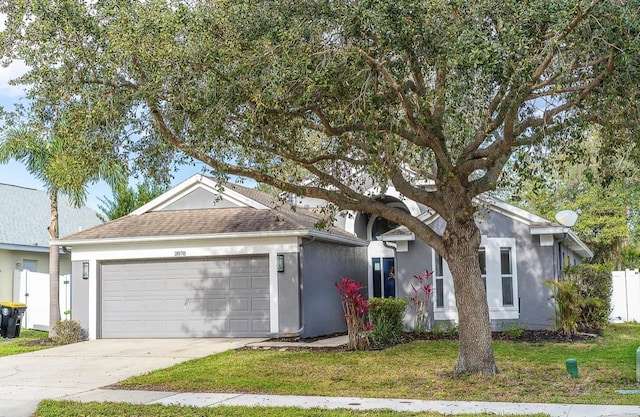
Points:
(445, 407)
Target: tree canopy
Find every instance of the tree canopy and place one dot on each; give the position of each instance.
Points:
(127, 199)
(603, 188)
(431, 96)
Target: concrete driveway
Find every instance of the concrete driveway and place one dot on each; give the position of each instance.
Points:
(73, 369)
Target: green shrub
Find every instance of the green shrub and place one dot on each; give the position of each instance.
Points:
(67, 332)
(445, 328)
(568, 303)
(594, 281)
(512, 331)
(385, 314)
(630, 257)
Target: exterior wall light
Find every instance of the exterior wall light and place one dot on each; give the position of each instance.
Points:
(280, 263)
(85, 270)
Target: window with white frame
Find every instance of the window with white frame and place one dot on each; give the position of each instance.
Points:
(506, 275)
(497, 261)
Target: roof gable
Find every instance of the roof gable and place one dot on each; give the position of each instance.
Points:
(513, 212)
(199, 192)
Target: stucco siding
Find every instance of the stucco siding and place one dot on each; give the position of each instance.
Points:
(7, 266)
(323, 265)
(79, 296)
(9, 260)
(360, 225)
(199, 199)
(289, 296)
(535, 264)
(409, 264)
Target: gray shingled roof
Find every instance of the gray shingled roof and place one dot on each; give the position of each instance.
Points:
(25, 215)
(211, 221)
(307, 217)
(189, 222)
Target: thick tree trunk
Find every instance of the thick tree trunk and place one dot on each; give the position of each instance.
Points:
(462, 241)
(54, 265)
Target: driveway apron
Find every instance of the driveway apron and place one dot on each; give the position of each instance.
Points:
(73, 369)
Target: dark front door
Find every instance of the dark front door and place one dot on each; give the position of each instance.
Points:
(384, 283)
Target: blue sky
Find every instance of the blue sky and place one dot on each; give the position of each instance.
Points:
(16, 174)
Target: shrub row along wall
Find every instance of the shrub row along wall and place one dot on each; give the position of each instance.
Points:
(594, 281)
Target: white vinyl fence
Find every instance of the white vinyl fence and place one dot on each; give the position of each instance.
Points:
(32, 289)
(625, 299)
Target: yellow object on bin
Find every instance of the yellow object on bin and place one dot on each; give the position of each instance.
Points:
(13, 305)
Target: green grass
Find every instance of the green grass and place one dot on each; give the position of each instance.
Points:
(73, 409)
(530, 372)
(21, 344)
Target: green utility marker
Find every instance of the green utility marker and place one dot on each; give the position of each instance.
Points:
(638, 365)
(572, 367)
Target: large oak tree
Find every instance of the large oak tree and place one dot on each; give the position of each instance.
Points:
(402, 92)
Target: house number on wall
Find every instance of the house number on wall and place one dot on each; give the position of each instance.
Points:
(180, 253)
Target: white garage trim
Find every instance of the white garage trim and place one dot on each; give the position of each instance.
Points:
(273, 291)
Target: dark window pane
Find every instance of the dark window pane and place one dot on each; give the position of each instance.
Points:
(507, 291)
(482, 257)
(377, 278)
(505, 261)
(439, 293)
(438, 265)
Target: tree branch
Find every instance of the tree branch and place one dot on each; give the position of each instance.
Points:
(548, 115)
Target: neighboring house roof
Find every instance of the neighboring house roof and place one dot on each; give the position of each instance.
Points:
(25, 215)
(256, 214)
(537, 226)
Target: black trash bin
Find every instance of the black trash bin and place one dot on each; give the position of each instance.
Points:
(11, 314)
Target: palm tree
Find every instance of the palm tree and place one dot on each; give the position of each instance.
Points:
(66, 164)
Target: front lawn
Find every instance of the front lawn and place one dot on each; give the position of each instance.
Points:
(29, 341)
(74, 409)
(530, 372)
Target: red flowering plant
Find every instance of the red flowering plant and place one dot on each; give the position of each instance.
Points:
(421, 299)
(355, 309)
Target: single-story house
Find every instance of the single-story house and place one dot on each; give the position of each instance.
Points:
(208, 259)
(24, 240)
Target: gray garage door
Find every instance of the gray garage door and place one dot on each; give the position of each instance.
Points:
(185, 298)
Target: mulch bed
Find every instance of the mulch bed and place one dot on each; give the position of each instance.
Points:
(529, 336)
